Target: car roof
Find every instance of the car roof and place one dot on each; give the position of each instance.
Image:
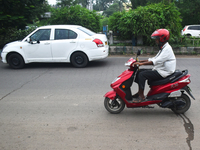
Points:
(193, 25)
(60, 26)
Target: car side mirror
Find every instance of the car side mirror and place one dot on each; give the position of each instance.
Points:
(32, 42)
(28, 40)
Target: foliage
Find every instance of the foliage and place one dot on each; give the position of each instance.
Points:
(137, 3)
(64, 3)
(68, 3)
(76, 15)
(14, 35)
(114, 21)
(103, 22)
(102, 5)
(144, 20)
(189, 10)
(17, 13)
(113, 8)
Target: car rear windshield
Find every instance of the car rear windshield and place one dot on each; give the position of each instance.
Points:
(87, 31)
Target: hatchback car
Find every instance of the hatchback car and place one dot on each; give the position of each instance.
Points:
(57, 43)
(191, 30)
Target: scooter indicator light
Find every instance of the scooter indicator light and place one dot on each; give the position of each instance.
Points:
(123, 86)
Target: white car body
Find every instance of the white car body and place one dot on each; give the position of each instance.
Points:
(191, 30)
(52, 47)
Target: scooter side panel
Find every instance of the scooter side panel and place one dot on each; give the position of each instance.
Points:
(123, 77)
(130, 105)
(170, 87)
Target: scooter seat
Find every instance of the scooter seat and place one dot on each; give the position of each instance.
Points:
(171, 78)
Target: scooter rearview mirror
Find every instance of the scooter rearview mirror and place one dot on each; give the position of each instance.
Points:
(139, 52)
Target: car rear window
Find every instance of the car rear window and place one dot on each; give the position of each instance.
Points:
(87, 31)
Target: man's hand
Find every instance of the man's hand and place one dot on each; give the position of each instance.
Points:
(137, 64)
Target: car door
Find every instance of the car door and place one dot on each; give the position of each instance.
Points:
(39, 48)
(65, 41)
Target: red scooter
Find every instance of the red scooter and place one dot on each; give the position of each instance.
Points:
(166, 93)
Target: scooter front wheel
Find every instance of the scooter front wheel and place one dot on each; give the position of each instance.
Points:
(114, 106)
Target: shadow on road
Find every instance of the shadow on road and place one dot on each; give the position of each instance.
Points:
(100, 63)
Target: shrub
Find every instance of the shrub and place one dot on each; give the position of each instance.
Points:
(145, 20)
(76, 15)
(13, 34)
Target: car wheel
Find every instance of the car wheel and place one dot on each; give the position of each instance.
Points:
(188, 35)
(16, 61)
(79, 60)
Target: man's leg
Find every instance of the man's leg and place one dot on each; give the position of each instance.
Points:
(142, 77)
(137, 81)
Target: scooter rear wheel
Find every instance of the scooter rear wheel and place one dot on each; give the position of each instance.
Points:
(114, 106)
(184, 108)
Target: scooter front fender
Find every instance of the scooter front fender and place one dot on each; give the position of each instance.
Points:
(111, 95)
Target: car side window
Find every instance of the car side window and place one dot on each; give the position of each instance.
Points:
(193, 28)
(41, 35)
(72, 35)
(64, 34)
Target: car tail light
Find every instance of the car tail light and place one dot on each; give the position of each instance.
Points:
(98, 42)
(185, 28)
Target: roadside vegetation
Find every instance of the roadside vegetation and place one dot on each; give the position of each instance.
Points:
(142, 18)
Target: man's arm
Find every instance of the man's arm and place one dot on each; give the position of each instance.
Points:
(141, 63)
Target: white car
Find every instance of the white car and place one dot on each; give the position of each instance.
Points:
(191, 30)
(57, 43)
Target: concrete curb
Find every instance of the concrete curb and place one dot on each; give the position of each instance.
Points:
(152, 50)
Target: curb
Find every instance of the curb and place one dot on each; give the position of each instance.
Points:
(152, 50)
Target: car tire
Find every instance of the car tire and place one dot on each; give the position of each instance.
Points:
(16, 61)
(188, 35)
(79, 60)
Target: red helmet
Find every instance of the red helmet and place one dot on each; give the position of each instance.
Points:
(161, 34)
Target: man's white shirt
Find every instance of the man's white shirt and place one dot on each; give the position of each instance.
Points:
(165, 61)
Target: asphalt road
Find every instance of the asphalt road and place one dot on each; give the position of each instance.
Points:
(58, 107)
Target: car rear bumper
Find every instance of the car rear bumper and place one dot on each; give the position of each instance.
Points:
(98, 54)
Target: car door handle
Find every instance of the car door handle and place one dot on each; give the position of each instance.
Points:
(72, 42)
(46, 43)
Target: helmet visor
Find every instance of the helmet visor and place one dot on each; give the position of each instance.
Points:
(155, 37)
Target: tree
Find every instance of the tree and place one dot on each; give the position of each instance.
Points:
(144, 20)
(113, 8)
(189, 10)
(64, 3)
(17, 13)
(136, 3)
(84, 3)
(102, 5)
(68, 3)
(76, 15)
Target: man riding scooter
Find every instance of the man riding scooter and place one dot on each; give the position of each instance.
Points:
(164, 64)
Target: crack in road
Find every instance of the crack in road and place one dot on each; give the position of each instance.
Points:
(189, 128)
(23, 85)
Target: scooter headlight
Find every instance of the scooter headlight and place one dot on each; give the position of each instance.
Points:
(116, 79)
